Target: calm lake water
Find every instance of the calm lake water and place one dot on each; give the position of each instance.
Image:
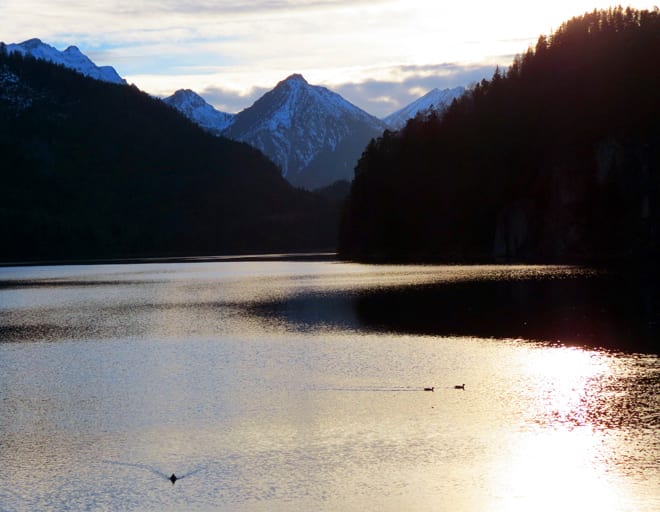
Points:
(298, 386)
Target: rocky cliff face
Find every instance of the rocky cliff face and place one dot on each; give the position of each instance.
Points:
(609, 212)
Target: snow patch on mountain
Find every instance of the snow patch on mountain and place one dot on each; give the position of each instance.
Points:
(71, 58)
(195, 108)
(295, 122)
(435, 100)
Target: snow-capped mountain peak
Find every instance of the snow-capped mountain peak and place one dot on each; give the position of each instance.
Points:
(297, 124)
(71, 58)
(295, 95)
(436, 100)
(195, 108)
(295, 78)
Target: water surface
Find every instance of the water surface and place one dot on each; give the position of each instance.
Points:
(289, 385)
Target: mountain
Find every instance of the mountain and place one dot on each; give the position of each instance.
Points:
(555, 160)
(195, 108)
(91, 169)
(71, 58)
(314, 135)
(435, 100)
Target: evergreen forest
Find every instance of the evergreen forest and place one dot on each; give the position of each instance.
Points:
(96, 170)
(554, 159)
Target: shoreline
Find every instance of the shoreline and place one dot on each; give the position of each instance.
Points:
(294, 256)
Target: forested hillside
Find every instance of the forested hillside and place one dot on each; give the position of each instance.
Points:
(554, 159)
(91, 169)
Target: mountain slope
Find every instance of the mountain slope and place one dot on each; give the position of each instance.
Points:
(558, 159)
(435, 100)
(314, 135)
(71, 58)
(195, 108)
(91, 169)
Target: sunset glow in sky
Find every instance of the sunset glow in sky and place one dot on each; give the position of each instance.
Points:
(379, 54)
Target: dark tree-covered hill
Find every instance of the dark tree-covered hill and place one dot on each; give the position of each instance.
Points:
(96, 170)
(555, 159)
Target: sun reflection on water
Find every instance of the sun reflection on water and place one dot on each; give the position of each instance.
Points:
(577, 438)
(556, 469)
(564, 376)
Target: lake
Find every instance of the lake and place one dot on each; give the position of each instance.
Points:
(299, 385)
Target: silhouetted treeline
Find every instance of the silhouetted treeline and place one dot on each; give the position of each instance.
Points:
(554, 159)
(91, 169)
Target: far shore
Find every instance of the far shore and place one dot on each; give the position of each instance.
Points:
(293, 256)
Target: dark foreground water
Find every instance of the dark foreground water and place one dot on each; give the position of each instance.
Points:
(298, 386)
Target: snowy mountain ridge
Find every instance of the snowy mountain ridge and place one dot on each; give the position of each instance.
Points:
(436, 99)
(195, 108)
(71, 58)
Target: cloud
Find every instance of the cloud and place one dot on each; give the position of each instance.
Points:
(197, 8)
(376, 53)
(382, 97)
(264, 5)
(227, 100)
(232, 7)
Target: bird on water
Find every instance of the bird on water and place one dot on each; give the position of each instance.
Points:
(172, 478)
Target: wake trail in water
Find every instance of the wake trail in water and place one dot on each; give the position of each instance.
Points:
(155, 470)
(375, 389)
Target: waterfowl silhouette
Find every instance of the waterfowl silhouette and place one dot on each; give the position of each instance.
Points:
(429, 389)
(459, 386)
(172, 478)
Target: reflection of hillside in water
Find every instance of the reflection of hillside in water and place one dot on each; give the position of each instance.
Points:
(605, 311)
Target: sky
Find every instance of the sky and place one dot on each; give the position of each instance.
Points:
(378, 54)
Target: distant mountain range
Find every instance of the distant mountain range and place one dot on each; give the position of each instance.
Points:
(314, 135)
(71, 58)
(311, 133)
